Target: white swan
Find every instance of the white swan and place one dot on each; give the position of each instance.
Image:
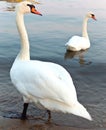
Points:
(77, 43)
(46, 84)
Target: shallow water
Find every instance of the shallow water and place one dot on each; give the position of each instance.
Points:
(48, 35)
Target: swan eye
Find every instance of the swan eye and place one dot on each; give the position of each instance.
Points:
(92, 15)
(31, 6)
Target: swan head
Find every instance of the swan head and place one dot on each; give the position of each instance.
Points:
(91, 15)
(26, 7)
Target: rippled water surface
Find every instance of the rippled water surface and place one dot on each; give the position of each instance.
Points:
(48, 34)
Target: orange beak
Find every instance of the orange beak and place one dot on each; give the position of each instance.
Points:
(33, 10)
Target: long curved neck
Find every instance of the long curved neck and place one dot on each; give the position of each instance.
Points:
(84, 30)
(24, 53)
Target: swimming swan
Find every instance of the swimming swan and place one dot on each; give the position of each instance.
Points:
(77, 43)
(46, 84)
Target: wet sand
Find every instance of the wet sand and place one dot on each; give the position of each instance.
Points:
(16, 124)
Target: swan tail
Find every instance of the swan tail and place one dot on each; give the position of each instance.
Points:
(81, 111)
(66, 44)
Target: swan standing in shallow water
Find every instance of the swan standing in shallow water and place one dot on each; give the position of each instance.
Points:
(77, 43)
(46, 84)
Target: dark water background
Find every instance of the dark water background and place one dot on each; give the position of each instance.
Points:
(48, 35)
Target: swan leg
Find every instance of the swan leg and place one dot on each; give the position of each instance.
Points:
(23, 116)
(49, 115)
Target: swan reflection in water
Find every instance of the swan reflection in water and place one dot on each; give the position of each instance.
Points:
(80, 54)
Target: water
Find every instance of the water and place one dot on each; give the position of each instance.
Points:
(48, 35)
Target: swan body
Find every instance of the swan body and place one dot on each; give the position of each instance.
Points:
(46, 84)
(77, 43)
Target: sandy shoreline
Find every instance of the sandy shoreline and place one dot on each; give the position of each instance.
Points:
(17, 124)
